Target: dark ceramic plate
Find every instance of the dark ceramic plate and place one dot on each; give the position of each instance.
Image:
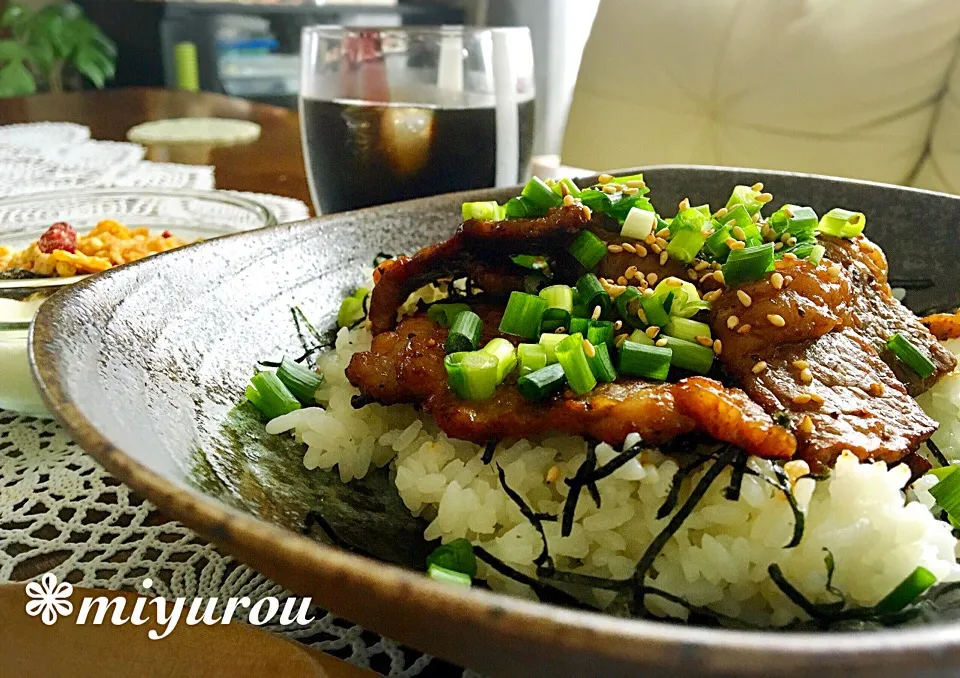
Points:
(144, 364)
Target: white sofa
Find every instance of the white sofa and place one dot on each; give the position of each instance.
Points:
(859, 88)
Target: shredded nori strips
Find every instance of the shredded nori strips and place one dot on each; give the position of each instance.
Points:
(937, 454)
(736, 477)
(546, 593)
(536, 519)
(488, 451)
(676, 483)
(653, 550)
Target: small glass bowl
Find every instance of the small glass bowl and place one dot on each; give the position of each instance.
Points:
(190, 215)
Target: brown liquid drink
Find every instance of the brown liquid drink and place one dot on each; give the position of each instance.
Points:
(390, 114)
(367, 154)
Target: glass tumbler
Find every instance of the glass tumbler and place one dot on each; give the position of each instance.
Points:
(397, 113)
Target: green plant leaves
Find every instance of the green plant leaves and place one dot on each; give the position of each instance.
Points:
(16, 80)
(46, 42)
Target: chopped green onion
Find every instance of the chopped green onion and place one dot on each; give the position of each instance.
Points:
(532, 357)
(269, 395)
(641, 360)
(816, 254)
(588, 249)
(531, 261)
(748, 264)
(654, 310)
(716, 243)
(506, 356)
(600, 332)
(570, 354)
(445, 576)
(549, 343)
(592, 294)
(581, 325)
(522, 207)
(907, 591)
(601, 365)
(672, 283)
(683, 307)
(746, 196)
(737, 216)
(842, 223)
(472, 375)
(487, 210)
(543, 383)
(572, 188)
(690, 356)
(351, 308)
(541, 195)
(559, 300)
(947, 494)
(638, 224)
(464, 333)
(799, 221)
(301, 381)
(942, 472)
(640, 337)
(627, 303)
(914, 358)
(703, 209)
(523, 315)
(686, 244)
(456, 555)
(444, 314)
(686, 329)
(629, 177)
(690, 219)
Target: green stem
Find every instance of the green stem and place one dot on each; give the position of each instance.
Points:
(55, 77)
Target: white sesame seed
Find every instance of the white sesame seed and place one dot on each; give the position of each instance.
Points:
(652, 331)
(800, 364)
(630, 272)
(712, 295)
(642, 314)
(802, 398)
(627, 247)
(692, 274)
(630, 191)
(876, 389)
(738, 233)
(776, 319)
(608, 189)
(684, 204)
(806, 376)
(701, 266)
(817, 398)
(757, 187)
(735, 244)
(732, 322)
(641, 251)
(764, 197)
(806, 424)
(776, 281)
(718, 276)
(650, 239)
(790, 256)
(586, 212)
(605, 178)
(589, 349)
(787, 279)
(835, 271)
(553, 475)
(744, 329)
(568, 200)
(662, 341)
(661, 242)
(663, 258)
(704, 341)
(717, 346)
(758, 367)
(616, 249)
(744, 298)
(656, 248)
(622, 280)
(596, 313)
(722, 212)
(635, 183)
(651, 278)
(618, 325)
(619, 340)
(662, 233)
(648, 292)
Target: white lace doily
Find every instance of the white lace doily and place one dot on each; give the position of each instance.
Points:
(61, 512)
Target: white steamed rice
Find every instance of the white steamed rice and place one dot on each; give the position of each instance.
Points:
(720, 555)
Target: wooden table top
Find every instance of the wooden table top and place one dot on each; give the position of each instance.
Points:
(272, 164)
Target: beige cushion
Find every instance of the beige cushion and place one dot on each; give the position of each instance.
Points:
(844, 87)
(940, 170)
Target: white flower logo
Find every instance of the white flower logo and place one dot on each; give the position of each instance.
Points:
(50, 599)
